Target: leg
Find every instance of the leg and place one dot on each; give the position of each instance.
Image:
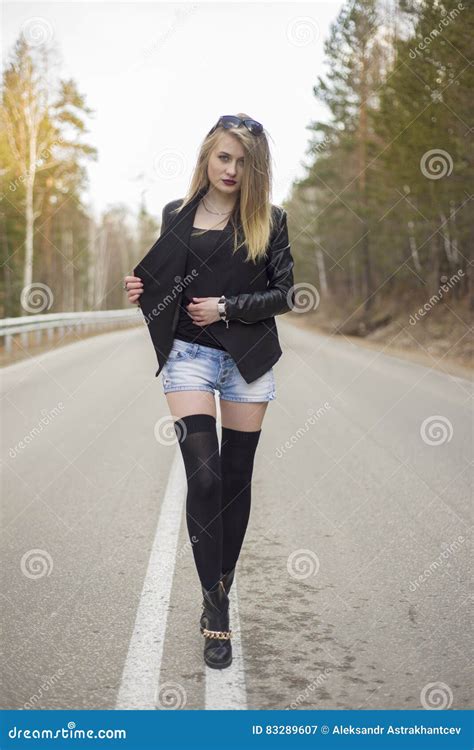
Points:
(241, 428)
(181, 403)
(241, 415)
(197, 438)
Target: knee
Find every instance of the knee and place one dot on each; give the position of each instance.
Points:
(205, 482)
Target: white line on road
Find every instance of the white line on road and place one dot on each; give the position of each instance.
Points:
(225, 689)
(142, 667)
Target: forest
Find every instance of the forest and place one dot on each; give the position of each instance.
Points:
(381, 224)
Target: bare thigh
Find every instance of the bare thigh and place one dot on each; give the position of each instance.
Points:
(183, 403)
(244, 416)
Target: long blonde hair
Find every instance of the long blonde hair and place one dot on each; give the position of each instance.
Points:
(252, 218)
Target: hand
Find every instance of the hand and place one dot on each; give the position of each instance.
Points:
(134, 288)
(203, 310)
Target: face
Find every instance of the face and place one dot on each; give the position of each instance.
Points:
(226, 162)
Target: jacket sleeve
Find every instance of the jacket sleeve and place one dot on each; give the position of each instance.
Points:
(278, 298)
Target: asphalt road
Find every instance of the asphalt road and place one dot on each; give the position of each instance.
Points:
(352, 587)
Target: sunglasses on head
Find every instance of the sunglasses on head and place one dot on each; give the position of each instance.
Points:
(230, 121)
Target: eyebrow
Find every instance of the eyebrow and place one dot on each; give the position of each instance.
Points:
(226, 154)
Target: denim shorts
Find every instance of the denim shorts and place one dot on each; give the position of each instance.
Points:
(195, 367)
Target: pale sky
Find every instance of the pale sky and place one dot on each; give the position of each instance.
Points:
(158, 75)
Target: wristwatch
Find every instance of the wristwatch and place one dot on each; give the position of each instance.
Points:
(221, 310)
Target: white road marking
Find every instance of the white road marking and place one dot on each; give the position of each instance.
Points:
(142, 667)
(225, 688)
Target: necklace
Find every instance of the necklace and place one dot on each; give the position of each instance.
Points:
(216, 213)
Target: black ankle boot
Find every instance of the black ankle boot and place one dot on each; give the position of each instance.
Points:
(227, 579)
(217, 634)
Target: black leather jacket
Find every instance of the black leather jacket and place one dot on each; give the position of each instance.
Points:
(265, 289)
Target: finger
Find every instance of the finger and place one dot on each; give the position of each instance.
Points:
(130, 285)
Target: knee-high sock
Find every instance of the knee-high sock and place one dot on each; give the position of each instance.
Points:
(237, 458)
(197, 437)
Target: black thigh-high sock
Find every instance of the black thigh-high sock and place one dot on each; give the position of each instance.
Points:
(237, 457)
(197, 437)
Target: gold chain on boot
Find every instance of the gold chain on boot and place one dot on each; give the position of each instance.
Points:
(223, 634)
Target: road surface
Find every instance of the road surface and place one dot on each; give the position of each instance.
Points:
(352, 586)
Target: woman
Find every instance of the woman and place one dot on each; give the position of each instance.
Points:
(209, 289)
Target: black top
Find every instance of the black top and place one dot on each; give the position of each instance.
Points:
(206, 265)
(256, 291)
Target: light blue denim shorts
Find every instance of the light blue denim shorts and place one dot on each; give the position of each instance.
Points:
(195, 367)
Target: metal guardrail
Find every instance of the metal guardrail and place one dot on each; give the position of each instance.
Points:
(49, 322)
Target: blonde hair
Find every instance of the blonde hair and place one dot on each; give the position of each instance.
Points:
(252, 213)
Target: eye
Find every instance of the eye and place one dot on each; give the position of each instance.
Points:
(225, 157)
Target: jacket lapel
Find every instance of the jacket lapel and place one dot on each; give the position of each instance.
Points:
(167, 256)
(162, 270)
